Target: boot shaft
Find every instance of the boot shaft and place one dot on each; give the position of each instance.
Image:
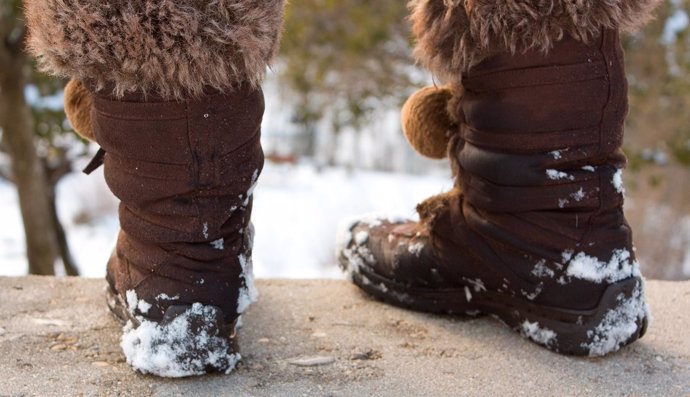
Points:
(572, 96)
(541, 140)
(172, 162)
(184, 172)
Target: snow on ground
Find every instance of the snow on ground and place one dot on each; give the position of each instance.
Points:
(88, 212)
(297, 210)
(12, 251)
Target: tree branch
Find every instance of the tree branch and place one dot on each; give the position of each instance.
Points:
(13, 34)
(55, 172)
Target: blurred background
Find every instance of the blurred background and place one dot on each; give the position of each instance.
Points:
(333, 142)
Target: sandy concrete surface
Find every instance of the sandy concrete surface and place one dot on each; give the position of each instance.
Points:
(57, 339)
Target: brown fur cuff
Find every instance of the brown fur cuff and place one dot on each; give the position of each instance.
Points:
(170, 48)
(454, 35)
(78, 104)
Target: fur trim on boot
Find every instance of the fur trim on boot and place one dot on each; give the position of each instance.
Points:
(431, 208)
(78, 103)
(454, 35)
(434, 206)
(426, 122)
(168, 48)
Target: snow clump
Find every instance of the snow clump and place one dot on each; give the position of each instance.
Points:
(167, 297)
(538, 334)
(558, 175)
(618, 181)
(134, 303)
(250, 192)
(416, 248)
(533, 295)
(585, 267)
(361, 237)
(579, 195)
(619, 324)
(477, 284)
(542, 271)
(179, 348)
(248, 293)
(468, 294)
(218, 244)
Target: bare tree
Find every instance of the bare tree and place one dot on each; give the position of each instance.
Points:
(18, 137)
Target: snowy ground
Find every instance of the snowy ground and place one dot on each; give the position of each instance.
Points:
(296, 214)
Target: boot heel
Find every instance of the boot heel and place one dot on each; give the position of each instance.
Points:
(620, 318)
(189, 340)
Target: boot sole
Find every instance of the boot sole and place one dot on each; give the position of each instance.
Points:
(565, 331)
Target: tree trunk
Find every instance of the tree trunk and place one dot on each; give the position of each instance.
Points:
(63, 246)
(29, 175)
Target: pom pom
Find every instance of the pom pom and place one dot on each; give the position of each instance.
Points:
(426, 123)
(78, 104)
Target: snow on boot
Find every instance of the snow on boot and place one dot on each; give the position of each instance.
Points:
(534, 233)
(177, 110)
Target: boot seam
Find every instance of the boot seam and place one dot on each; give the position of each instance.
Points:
(602, 124)
(195, 172)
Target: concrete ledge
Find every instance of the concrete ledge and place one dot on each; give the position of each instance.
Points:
(56, 338)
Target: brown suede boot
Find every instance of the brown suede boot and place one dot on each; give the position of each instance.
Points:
(177, 110)
(534, 233)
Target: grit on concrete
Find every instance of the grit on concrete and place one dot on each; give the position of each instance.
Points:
(57, 339)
